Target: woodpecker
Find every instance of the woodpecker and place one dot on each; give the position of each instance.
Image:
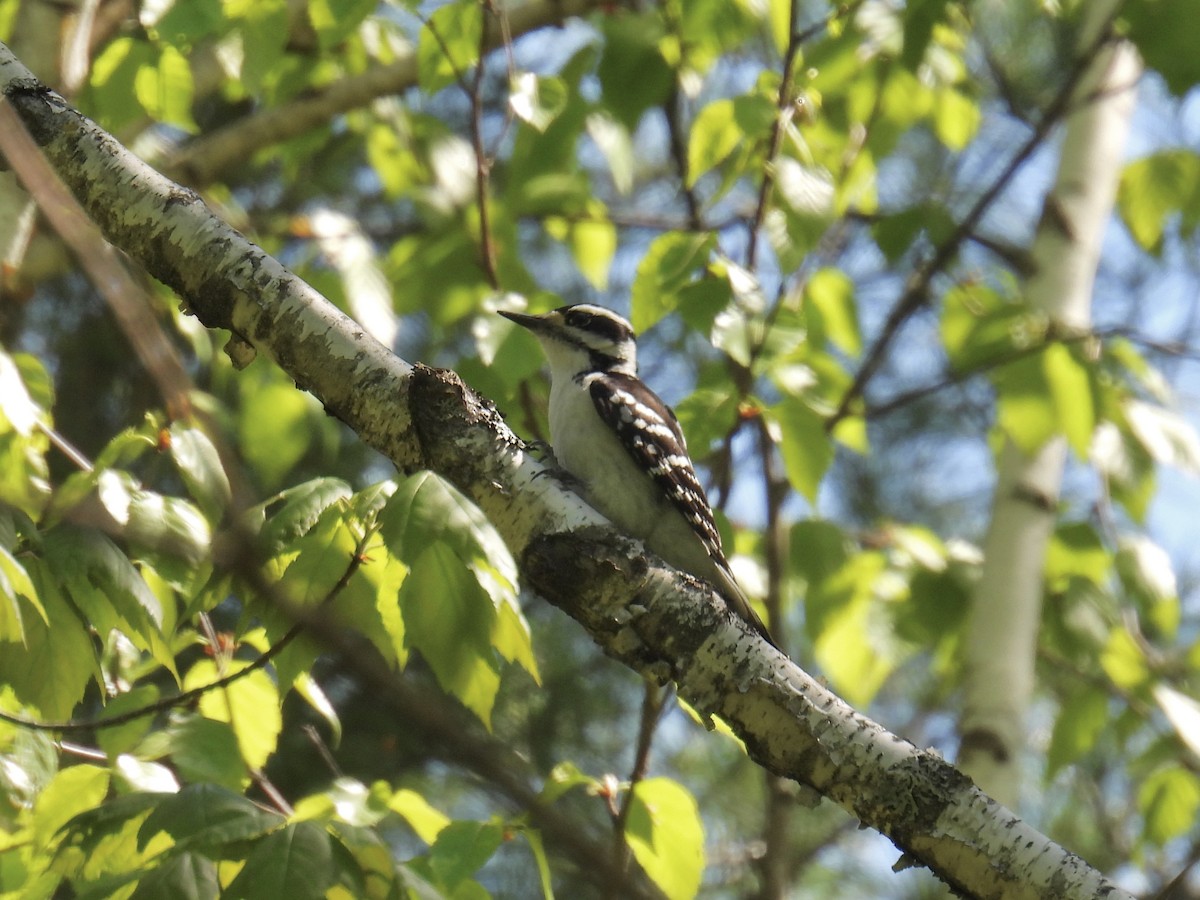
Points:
(624, 447)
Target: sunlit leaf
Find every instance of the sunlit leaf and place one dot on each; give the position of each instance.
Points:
(461, 848)
(1183, 712)
(72, 791)
(671, 262)
(1169, 799)
(537, 99)
(449, 44)
(666, 835)
(50, 671)
(200, 466)
(421, 816)
(449, 619)
(1082, 718)
(204, 750)
(1156, 188)
(274, 428)
(831, 311)
(806, 448)
(307, 687)
(250, 704)
(142, 775)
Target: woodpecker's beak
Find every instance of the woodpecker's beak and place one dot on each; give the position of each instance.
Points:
(533, 323)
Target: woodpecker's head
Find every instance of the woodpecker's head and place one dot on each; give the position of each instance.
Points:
(581, 339)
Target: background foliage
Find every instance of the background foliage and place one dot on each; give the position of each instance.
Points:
(754, 184)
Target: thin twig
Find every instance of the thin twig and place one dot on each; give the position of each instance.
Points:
(194, 694)
(916, 290)
(483, 164)
(654, 700)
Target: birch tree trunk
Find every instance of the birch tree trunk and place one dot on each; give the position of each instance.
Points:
(1002, 631)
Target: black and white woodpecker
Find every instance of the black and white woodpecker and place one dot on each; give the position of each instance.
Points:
(623, 445)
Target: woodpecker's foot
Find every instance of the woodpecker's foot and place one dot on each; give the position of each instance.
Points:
(551, 469)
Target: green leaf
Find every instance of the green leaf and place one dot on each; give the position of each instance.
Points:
(296, 862)
(427, 509)
(1124, 660)
(71, 792)
(461, 848)
(1070, 380)
(1156, 188)
(91, 828)
(980, 327)
(321, 559)
(1025, 407)
(1082, 718)
(449, 44)
(593, 244)
(672, 261)
(336, 20)
(1169, 800)
(274, 427)
(725, 127)
(616, 144)
(538, 848)
(450, 619)
(920, 17)
(204, 750)
(167, 528)
(1077, 551)
(165, 89)
(1162, 33)
(250, 705)
(818, 549)
(15, 586)
(842, 619)
(107, 588)
(831, 311)
(806, 448)
(294, 511)
(182, 876)
(633, 74)
(1149, 580)
(206, 817)
(537, 99)
(113, 76)
(200, 466)
(368, 602)
(50, 671)
(667, 838)
(117, 739)
(956, 118)
(423, 818)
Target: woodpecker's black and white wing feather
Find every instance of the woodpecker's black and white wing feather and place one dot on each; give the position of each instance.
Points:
(650, 433)
(648, 430)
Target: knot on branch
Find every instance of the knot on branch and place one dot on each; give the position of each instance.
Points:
(444, 411)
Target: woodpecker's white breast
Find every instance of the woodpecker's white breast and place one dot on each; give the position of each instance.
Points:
(586, 447)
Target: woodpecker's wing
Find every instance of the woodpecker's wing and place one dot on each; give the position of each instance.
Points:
(650, 433)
